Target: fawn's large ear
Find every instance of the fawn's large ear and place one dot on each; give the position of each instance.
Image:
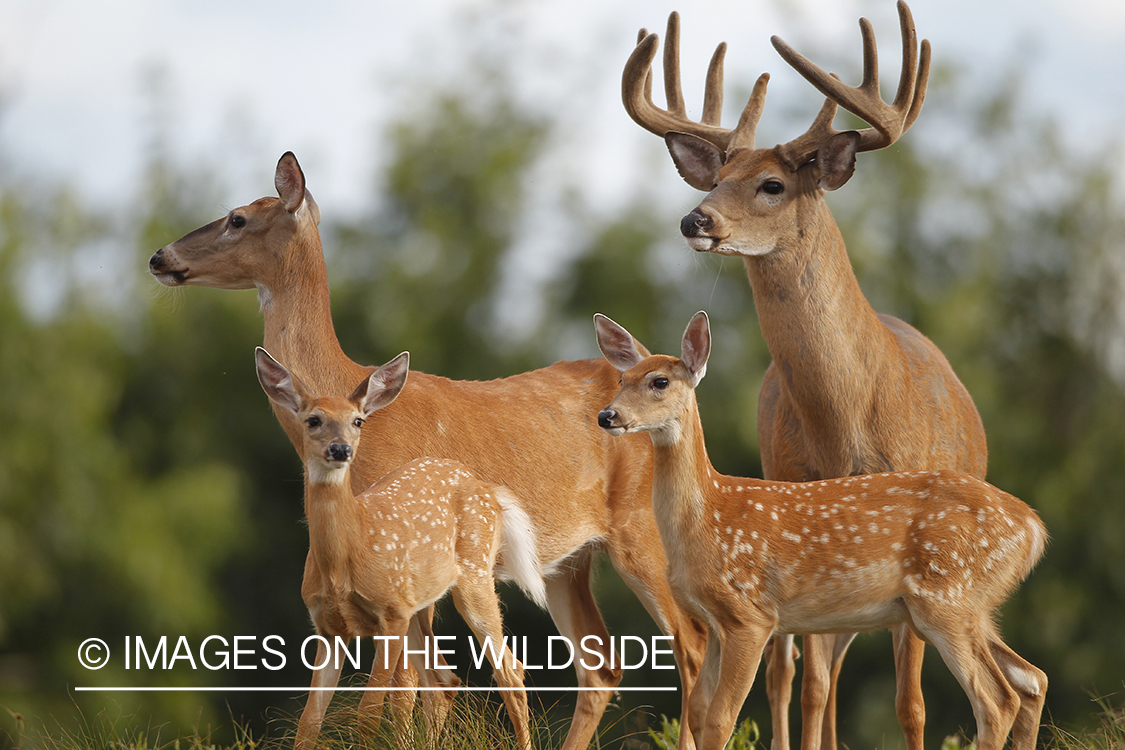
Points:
(696, 346)
(278, 383)
(381, 387)
(618, 345)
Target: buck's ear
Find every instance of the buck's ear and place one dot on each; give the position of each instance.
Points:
(696, 160)
(836, 160)
(278, 383)
(696, 347)
(290, 182)
(618, 345)
(381, 387)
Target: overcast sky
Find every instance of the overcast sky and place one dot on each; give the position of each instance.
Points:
(320, 78)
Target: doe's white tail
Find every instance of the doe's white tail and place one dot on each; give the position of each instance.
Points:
(519, 548)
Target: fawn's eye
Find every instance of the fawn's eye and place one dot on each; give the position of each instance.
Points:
(358, 421)
(660, 383)
(313, 421)
(237, 221)
(773, 187)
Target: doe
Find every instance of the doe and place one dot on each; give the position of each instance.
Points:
(379, 558)
(938, 551)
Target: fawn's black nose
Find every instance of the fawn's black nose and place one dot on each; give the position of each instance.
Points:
(695, 224)
(606, 417)
(339, 451)
(156, 262)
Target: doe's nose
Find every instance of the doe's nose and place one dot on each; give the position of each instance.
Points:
(606, 417)
(339, 451)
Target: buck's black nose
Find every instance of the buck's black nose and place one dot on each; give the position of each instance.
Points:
(695, 224)
(339, 451)
(606, 417)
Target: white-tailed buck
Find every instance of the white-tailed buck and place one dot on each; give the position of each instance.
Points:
(581, 491)
(933, 551)
(849, 391)
(379, 558)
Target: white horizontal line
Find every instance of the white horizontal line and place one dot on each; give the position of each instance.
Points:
(212, 689)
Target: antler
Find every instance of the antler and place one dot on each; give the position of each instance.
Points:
(636, 93)
(888, 121)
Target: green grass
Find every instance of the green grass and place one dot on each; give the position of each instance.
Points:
(474, 723)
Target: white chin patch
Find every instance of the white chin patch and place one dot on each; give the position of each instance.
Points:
(322, 473)
(740, 248)
(700, 244)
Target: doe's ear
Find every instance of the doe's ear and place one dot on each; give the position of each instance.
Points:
(290, 182)
(836, 160)
(314, 209)
(696, 346)
(696, 160)
(381, 387)
(279, 384)
(618, 345)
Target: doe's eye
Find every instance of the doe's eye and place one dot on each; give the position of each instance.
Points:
(358, 421)
(773, 187)
(313, 421)
(660, 383)
(238, 221)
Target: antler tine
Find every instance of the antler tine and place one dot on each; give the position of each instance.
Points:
(673, 91)
(919, 86)
(636, 90)
(743, 135)
(799, 150)
(888, 122)
(907, 77)
(648, 76)
(713, 92)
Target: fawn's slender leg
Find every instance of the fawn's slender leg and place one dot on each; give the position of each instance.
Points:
(324, 680)
(740, 654)
(476, 601)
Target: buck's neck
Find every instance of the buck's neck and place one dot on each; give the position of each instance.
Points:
(817, 324)
(682, 474)
(298, 317)
(334, 521)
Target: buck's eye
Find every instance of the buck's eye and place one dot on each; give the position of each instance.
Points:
(237, 221)
(660, 383)
(773, 187)
(358, 421)
(313, 421)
